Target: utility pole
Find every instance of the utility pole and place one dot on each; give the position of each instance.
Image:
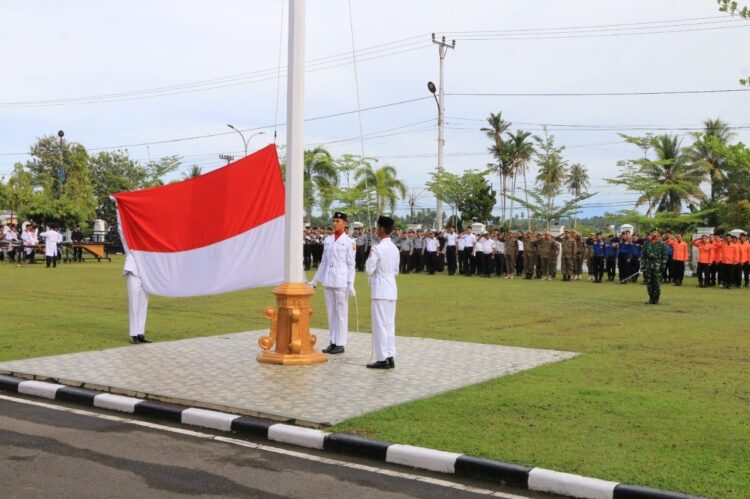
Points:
(443, 47)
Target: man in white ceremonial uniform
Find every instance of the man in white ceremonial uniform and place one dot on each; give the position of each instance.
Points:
(51, 240)
(137, 302)
(336, 274)
(382, 269)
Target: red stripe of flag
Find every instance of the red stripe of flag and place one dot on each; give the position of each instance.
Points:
(207, 209)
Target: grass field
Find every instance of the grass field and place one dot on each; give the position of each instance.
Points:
(660, 396)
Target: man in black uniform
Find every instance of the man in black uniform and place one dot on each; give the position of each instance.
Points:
(76, 236)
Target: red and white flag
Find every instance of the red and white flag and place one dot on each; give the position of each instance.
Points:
(219, 232)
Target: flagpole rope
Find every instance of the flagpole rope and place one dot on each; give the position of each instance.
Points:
(278, 72)
(359, 117)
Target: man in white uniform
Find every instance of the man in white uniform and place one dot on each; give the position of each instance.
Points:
(336, 273)
(382, 269)
(51, 239)
(137, 302)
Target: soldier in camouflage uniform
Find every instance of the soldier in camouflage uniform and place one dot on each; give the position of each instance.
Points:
(530, 254)
(653, 262)
(567, 261)
(580, 256)
(549, 251)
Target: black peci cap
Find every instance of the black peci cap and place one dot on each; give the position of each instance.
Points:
(341, 215)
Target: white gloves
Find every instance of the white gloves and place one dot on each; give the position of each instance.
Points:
(351, 290)
(312, 284)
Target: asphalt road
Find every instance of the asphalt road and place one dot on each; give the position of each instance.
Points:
(54, 452)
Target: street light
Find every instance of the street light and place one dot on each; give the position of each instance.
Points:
(245, 142)
(61, 173)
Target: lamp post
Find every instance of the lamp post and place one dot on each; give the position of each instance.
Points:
(245, 142)
(61, 172)
(443, 47)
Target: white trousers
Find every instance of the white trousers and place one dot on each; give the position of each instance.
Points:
(137, 305)
(384, 328)
(337, 306)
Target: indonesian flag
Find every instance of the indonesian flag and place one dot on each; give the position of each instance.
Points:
(215, 233)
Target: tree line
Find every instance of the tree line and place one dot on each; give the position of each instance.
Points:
(64, 184)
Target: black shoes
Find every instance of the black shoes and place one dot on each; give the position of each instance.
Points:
(134, 340)
(333, 349)
(142, 339)
(382, 364)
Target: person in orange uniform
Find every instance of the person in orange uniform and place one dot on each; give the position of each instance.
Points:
(705, 255)
(679, 257)
(737, 267)
(726, 268)
(745, 255)
(718, 244)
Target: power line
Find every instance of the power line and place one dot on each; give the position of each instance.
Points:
(595, 94)
(385, 49)
(599, 34)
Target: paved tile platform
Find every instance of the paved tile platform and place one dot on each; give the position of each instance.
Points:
(221, 373)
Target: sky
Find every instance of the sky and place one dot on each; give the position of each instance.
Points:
(164, 78)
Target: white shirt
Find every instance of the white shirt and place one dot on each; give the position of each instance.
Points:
(11, 236)
(382, 268)
(336, 269)
(470, 240)
(520, 244)
(500, 247)
(488, 246)
(431, 244)
(450, 239)
(51, 238)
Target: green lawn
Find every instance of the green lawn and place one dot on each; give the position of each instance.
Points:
(660, 396)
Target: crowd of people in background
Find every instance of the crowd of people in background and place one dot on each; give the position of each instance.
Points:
(721, 261)
(21, 244)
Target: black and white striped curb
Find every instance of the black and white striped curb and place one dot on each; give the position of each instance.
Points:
(536, 479)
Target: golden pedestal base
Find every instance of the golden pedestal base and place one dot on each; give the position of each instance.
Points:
(290, 328)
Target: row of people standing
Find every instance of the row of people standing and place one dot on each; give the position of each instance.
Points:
(21, 247)
(723, 261)
(538, 255)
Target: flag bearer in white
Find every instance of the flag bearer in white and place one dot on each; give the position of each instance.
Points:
(137, 302)
(336, 273)
(382, 268)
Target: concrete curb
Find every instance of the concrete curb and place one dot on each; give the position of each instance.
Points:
(536, 479)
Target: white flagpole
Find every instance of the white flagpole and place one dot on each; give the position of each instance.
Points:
(293, 265)
(290, 321)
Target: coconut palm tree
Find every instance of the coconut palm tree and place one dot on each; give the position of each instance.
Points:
(577, 181)
(703, 152)
(320, 176)
(520, 152)
(677, 179)
(383, 184)
(497, 127)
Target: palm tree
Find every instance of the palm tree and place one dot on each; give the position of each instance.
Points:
(383, 183)
(715, 132)
(577, 181)
(520, 152)
(497, 127)
(552, 167)
(195, 171)
(320, 177)
(677, 180)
